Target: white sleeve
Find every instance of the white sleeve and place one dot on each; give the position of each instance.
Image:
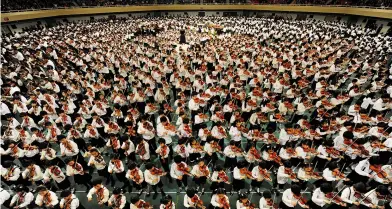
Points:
(214, 202)
(315, 198)
(359, 167)
(346, 196)
(90, 193)
(186, 204)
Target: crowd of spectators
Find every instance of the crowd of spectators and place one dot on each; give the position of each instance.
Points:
(8, 5)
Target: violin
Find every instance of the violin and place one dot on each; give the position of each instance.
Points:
(310, 150)
(362, 198)
(135, 174)
(141, 149)
(288, 105)
(220, 115)
(338, 174)
(265, 174)
(291, 173)
(310, 172)
(222, 131)
(379, 145)
(47, 199)
(56, 171)
(170, 127)
(187, 128)
(301, 200)
(223, 201)
(169, 205)
(31, 172)
(255, 153)
(157, 172)
(243, 129)
(378, 170)
(131, 131)
(68, 146)
(272, 138)
(216, 146)
(92, 132)
(10, 172)
(333, 197)
(163, 152)
(246, 172)
(198, 202)
(252, 103)
(144, 205)
(206, 132)
(53, 133)
(271, 204)
(222, 176)
(148, 126)
(183, 168)
(249, 205)
(236, 149)
(117, 163)
(332, 151)
(204, 170)
(168, 107)
(291, 151)
(274, 156)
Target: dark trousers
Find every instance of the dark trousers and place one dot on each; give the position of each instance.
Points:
(105, 174)
(230, 163)
(238, 184)
(154, 187)
(183, 181)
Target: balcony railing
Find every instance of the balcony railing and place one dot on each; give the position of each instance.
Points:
(202, 3)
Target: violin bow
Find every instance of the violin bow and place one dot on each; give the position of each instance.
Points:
(366, 196)
(337, 193)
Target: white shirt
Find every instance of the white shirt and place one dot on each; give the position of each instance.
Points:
(282, 177)
(120, 199)
(348, 195)
(151, 179)
(215, 201)
(4, 196)
(113, 168)
(39, 199)
(105, 194)
(38, 173)
(363, 168)
(99, 165)
(379, 105)
(74, 202)
(27, 199)
(174, 172)
(318, 197)
(50, 175)
(288, 198)
(67, 152)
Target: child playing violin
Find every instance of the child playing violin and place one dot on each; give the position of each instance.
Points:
(219, 178)
(152, 176)
(179, 171)
(167, 203)
(116, 168)
(241, 173)
(292, 197)
(324, 196)
(192, 200)
(260, 174)
(244, 203)
(200, 174)
(232, 152)
(220, 200)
